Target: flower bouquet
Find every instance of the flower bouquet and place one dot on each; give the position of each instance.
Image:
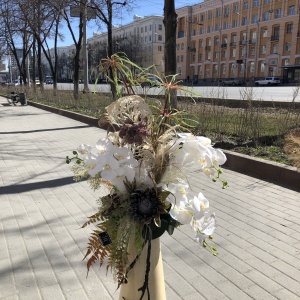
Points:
(143, 164)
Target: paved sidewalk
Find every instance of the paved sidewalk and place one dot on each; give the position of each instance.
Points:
(42, 209)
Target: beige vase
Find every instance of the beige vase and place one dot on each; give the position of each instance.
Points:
(136, 276)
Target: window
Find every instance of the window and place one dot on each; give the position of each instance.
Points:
(291, 10)
(218, 14)
(244, 21)
(234, 38)
(150, 27)
(200, 56)
(266, 16)
(251, 69)
(150, 38)
(208, 55)
(278, 13)
(201, 43)
(208, 42)
(233, 52)
(218, 27)
(178, 46)
(252, 51)
(216, 55)
(254, 18)
(179, 70)
(217, 41)
(210, 15)
(264, 33)
(209, 29)
(235, 8)
(142, 29)
(159, 37)
(289, 28)
(226, 11)
(193, 58)
(181, 58)
(287, 46)
(226, 25)
(177, 59)
(245, 5)
(255, 3)
(201, 30)
(200, 70)
(145, 39)
(159, 48)
(242, 66)
(182, 46)
(263, 49)
(275, 48)
(267, 1)
(223, 69)
(145, 28)
(215, 69)
(202, 18)
(234, 23)
(224, 53)
(262, 67)
(159, 26)
(286, 61)
(253, 35)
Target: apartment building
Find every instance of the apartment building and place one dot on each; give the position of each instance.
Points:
(142, 40)
(244, 39)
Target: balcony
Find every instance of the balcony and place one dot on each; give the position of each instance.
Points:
(226, 15)
(180, 34)
(243, 42)
(275, 37)
(193, 49)
(232, 44)
(252, 41)
(207, 48)
(224, 45)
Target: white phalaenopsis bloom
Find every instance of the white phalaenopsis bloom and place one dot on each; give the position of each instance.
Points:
(84, 149)
(204, 227)
(178, 191)
(191, 152)
(112, 163)
(187, 212)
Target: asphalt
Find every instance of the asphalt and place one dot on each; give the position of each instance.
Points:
(42, 210)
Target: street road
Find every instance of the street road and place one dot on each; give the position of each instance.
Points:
(272, 93)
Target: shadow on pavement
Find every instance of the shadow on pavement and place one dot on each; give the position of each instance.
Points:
(21, 188)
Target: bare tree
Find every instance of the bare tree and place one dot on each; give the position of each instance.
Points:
(106, 9)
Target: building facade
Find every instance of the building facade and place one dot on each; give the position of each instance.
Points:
(142, 40)
(244, 39)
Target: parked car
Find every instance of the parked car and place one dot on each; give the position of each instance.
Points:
(267, 81)
(151, 82)
(49, 81)
(232, 81)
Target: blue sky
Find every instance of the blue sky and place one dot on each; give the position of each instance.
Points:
(141, 8)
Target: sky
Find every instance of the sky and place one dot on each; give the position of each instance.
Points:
(141, 8)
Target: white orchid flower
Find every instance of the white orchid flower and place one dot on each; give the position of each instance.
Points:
(181, 214)
(218, 157)
(84, 149)
(178, 191)
(198, 206)
(204, 227)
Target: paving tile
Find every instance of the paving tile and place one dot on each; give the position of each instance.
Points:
(42, 210)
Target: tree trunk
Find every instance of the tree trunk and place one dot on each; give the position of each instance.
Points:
(170, 22)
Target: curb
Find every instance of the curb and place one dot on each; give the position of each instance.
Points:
(280, 174)
(259, 168)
